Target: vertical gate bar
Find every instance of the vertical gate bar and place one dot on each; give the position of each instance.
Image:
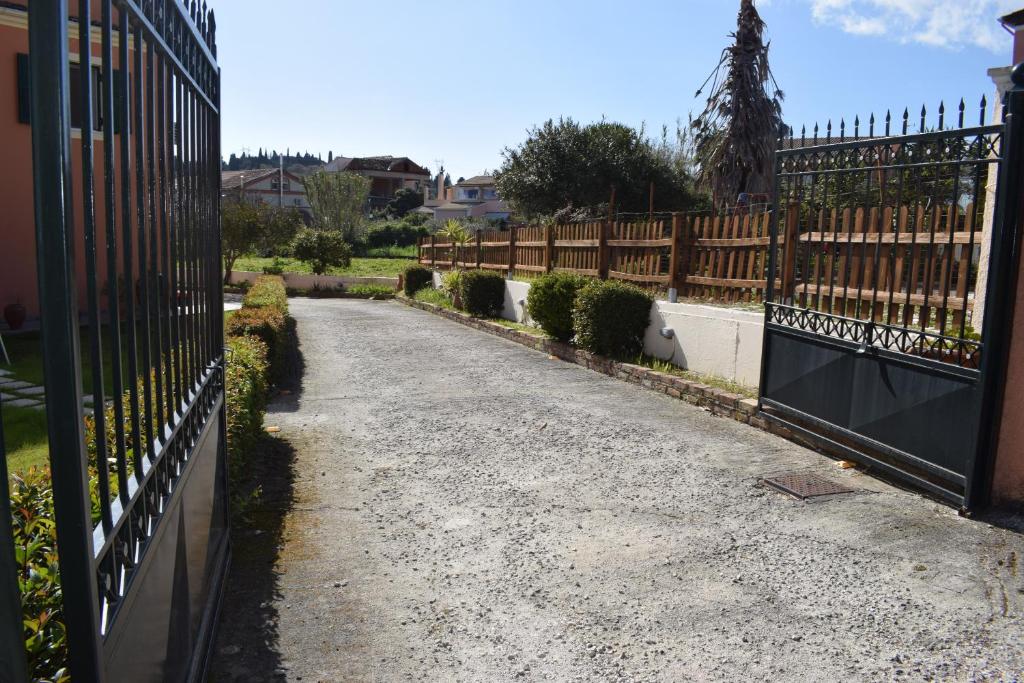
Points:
(177, 252)
(1004, 257)
(62, 370)
(113, 289)
(166, 216)
(897, 213)
(948, 279)
(89, 239)
(154, 238)
(193, 235)
(141, 144)
(186, 229)
(12, 631)
(126, 237)
(983, 163)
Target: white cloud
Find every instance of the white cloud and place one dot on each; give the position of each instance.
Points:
(951, 24)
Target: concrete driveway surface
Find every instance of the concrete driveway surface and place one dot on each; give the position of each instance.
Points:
(456, 507)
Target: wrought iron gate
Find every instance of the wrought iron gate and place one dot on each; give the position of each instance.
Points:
(141, 509)
(878, 343)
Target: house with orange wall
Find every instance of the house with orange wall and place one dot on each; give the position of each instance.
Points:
(17, 222)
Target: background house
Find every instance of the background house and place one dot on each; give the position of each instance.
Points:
(269, 185)
(473, 199)
(387, 175)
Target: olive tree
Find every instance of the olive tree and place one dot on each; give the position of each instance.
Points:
(338, 202)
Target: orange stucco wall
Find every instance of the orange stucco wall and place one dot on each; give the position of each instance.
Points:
(1008, 479)
(18, 282)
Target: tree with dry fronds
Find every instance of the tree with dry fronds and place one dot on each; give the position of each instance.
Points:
(735, 136)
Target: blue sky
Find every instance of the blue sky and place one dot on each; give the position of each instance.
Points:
(460, 80)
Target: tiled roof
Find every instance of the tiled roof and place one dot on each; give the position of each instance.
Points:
(233, 179)
(478, 180)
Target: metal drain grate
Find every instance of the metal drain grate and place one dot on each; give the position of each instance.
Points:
(804, 485)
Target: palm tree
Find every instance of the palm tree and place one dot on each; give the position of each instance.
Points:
(735, 135)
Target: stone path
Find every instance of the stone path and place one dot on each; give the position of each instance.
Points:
(19, 394)
(444, 505)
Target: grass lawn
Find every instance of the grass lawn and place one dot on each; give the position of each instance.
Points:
(27, 359)
(360, 267)
(25, 438)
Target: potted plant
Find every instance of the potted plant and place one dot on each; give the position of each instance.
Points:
(14, 314)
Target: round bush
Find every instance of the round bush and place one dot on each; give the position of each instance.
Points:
(416, 277)
(610, 318)
(550, 301)
(483, 293)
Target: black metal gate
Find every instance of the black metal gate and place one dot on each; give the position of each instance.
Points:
(884, 327)
(141, 509)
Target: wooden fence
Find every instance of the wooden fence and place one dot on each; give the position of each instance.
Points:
(911, 264)
(707, 256)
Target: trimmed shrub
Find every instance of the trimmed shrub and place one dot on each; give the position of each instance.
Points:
(246, 389)
(483, 293)
(267, 291)
(550, 302)
(415, 278)
(269, 326)
(610, 318)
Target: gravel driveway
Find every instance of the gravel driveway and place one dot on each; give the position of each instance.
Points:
(457, 507)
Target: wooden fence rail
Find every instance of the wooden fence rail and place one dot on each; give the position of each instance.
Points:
(887, 264)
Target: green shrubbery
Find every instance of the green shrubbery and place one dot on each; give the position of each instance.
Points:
(322, 249)
(482, 293)
(610, 318)
(550, 302)
(416, 277)
(264, 315)
(246, 386)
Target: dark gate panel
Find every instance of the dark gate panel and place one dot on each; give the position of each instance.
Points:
(877, 343)
(141, 509)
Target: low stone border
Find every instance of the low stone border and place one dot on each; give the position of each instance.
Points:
(717, 401)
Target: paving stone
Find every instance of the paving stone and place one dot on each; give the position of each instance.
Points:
(32, 391)
(4, 373)
(13, 384)
(24, 403)
(7, 397)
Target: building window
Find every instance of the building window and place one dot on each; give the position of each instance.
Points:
(470, 194)
(287, 185)
(490, 193)
(297, 202)
(74, 88)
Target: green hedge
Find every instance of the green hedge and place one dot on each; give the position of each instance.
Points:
(267, 292)
(415, 278)
(550, 302)
(483, 293)
(247, 377)
(264, 314)
(610, 318)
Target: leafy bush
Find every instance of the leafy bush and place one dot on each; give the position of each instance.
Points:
(415, 278)
(35, 551)
(483, 293)
(550, 302)
(450, 283)
(610, 318)
(322, 249)
(429, 295)
(267, 291)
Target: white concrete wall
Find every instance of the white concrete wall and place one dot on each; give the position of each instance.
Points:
(710, 340)
(307, 281)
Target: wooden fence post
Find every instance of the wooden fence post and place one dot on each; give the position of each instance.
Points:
(511, 251)
(674, 259)
(479, 254)
(433, 252)
(549, 246)
(791, 238)
(603, 253)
